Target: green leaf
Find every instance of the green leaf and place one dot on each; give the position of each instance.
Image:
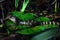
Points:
(42, 19)
(17, 14)
(30, 30)
(10, 25)
(22, 27)
(24, 17)
(36, 29)
(9, 22)
(25, 3)
(27, 16)
(52, 26)
(26, 31)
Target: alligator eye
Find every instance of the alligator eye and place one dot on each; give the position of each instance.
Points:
(12, 19)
